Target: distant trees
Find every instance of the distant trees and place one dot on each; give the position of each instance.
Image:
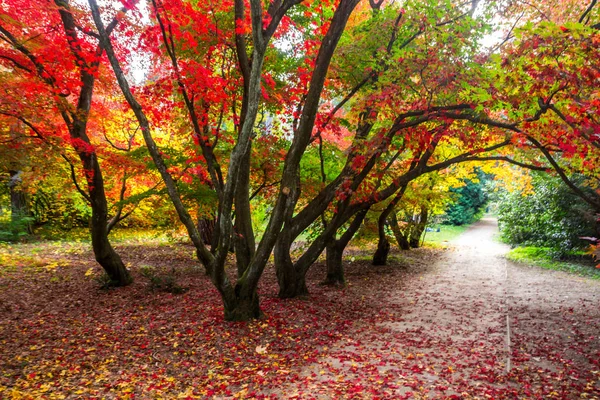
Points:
(469, 202)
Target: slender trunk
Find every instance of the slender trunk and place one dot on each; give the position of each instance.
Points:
(419, 228)
(335, 251)
(291, 280)
(382, 252)
(400, 237)
(103, 251)
(383, 245)
(106, 256)
(244, 241)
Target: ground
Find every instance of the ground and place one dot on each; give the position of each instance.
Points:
(456, 323)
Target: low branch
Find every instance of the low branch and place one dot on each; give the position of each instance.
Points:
(16, 63)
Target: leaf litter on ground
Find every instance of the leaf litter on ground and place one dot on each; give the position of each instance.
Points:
(66, 338)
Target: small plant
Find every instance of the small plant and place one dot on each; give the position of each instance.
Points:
(166, 282)
(104, 281)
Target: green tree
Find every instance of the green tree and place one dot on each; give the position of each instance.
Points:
(470, 200)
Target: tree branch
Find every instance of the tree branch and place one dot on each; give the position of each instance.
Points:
(16, 63)
(511, 161)
(587, 11)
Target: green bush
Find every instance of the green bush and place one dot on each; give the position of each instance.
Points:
(544, 257)
(552, 216)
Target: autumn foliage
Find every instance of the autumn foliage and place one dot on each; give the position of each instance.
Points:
(267, 134)
(292, 119)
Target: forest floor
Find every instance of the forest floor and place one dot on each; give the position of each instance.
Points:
(456, 323)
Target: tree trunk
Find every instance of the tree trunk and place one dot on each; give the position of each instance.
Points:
(335, 251)
(383, 246)
(292, 282)
(106, 256)
(400, 237)
(382, 252)
(293, 286)
(417, 231)
(243, 239)
(335, 267)
(242, 307)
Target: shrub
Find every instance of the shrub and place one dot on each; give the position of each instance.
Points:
(165, 282)
(552, 216)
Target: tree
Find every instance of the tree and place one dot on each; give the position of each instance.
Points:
(469, 201)
(550, 102)
(63, 66)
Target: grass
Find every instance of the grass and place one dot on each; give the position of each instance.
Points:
(541, 257)
(118, 235)
(446, 234)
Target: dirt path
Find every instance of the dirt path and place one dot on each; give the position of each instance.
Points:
(473, 326)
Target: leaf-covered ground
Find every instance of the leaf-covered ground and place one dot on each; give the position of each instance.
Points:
(433, 324)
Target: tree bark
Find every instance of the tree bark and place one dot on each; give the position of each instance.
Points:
(244, 240)
(383, 245)
(77, 124)
(335, 268)
(106, 256)
(104, 253)
(335, 252)
(242, 307)
(291, 280)
(400, 237)
(417, 231)
(382, 252)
